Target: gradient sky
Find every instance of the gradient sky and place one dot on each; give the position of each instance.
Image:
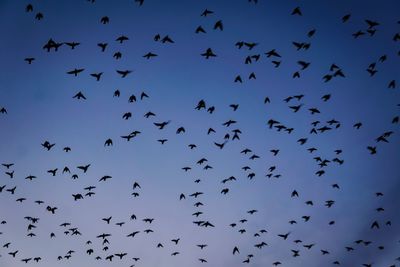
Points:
(39, 104)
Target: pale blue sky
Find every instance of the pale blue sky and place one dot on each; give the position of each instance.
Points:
(38, 99)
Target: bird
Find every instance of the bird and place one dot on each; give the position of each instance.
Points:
(75, 71)
(79, 95)
(29, 60)
(47, 145)
(84, 168)
(167, 39)
(51, 209)
(117, 55)
(200, 29)
(72, 44)
(77, 196)
(149, 55)
(297, 11)
(143, 95)
(123, 73)
(284, 236)
(53, 172)
(161, 125)
(207, 12)
(218, 25)
(97, 75)
(133, 234)
(140, 2)
(105, 178)
(372, 149)
(220, 145)
(105, 20)
(103, 46)
(29, 8)
(108, 142)
(107, 220)
(120, 255)
(122, 39)
(38, 16)
(208, 53)
(136, 185)
(117, 93)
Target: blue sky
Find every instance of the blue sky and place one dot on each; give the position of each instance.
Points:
(40, 107)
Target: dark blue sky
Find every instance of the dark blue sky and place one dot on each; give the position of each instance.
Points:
(39, 104)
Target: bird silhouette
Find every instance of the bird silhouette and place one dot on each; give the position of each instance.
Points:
(79, 95)
(105, 20)
(75, 71)
(208, 53)
(122, 39)
(123, 73)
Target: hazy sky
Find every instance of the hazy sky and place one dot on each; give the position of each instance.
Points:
(39, 104)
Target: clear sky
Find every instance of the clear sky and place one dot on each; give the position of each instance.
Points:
(39, 106)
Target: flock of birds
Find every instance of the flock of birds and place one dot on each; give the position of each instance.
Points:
(295, 103)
